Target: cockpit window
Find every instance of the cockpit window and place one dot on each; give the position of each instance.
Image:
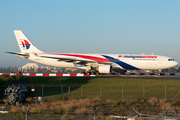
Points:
(170, 59)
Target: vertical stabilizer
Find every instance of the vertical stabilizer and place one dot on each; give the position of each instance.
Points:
(24, 43)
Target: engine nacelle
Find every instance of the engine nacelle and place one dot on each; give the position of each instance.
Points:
(104, 68)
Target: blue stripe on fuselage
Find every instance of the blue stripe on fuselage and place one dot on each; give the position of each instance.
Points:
(122, 64)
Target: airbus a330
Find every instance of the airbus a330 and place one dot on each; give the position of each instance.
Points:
(91, 63)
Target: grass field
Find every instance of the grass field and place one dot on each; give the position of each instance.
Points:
(128, 89)
(111, 95)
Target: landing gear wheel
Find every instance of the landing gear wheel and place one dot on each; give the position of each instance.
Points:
(83, 72)
(159, 74)
(92, 73)
(97, 73)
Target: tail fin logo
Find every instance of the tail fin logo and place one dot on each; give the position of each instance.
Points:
(25, 44)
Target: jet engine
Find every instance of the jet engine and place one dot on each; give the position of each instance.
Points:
(104, 68)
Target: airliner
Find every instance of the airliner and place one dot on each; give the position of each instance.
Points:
(91, 63)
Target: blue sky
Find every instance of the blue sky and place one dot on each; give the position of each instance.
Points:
(94, 26)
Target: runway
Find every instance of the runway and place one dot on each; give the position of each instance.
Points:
(172, 76)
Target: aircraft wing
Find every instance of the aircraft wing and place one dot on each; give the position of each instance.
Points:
(74, 60)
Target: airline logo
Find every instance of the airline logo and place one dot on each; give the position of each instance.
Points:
(25, 44)
(120, 56)
(134, 57)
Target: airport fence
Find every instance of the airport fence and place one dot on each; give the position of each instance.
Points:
(120, 92)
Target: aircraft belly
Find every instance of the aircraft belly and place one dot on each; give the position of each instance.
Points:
(144, 65)
(148, 65)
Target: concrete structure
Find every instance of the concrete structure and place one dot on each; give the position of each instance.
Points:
(29, 66)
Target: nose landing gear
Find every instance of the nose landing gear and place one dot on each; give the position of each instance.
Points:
(159, 73)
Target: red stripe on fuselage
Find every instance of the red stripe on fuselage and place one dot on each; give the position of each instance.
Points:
(97, 59)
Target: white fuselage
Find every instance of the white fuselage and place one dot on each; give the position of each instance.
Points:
(122, 61)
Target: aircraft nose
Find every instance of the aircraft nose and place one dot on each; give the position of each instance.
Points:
(176, 63)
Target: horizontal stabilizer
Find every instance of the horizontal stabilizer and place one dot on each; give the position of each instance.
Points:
(25, 55)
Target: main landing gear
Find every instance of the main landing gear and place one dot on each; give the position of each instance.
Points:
(91, 73)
